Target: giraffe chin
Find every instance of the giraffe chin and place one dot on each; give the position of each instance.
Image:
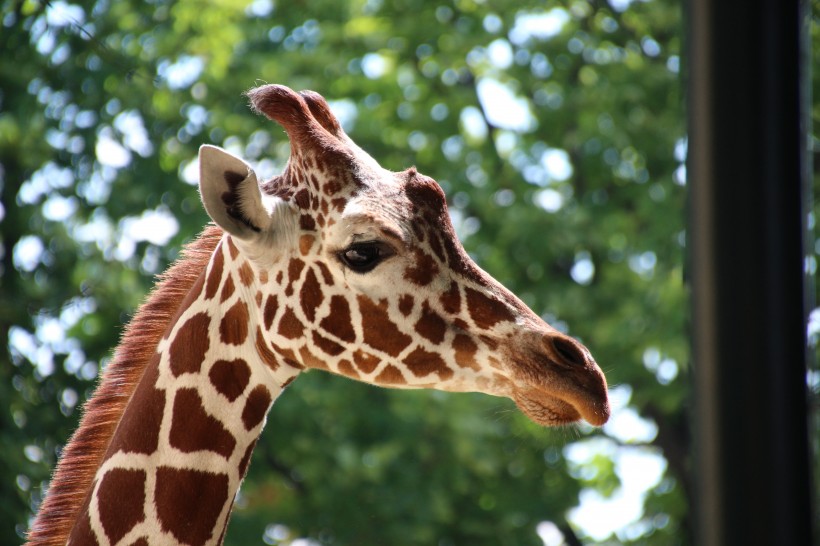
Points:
(549, 411)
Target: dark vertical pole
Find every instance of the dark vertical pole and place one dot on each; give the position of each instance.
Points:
(747, 98)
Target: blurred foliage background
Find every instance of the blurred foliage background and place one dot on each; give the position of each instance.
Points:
(557, 129)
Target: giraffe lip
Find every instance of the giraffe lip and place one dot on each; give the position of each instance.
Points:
(545, 410)
(550, 410)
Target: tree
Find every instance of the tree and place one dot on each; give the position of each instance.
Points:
(556, 129)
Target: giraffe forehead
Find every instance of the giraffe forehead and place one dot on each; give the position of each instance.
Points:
(368, 226)
(372, 217)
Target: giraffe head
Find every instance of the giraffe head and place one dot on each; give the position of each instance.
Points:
(357, 270)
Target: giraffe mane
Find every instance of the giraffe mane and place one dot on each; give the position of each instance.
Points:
(83, 453)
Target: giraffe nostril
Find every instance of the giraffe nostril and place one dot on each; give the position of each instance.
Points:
(569, 351)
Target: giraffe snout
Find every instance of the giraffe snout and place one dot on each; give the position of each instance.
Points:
(563, 384)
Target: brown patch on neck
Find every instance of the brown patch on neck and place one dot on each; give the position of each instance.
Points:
(188, 349)
(189, 502)
(233, 329)
(194, 429)
(83, 454)
(120, 512)
(216, 273)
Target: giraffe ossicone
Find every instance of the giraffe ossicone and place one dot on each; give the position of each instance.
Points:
(335, 264)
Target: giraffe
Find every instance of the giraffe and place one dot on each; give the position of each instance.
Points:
(336, 264)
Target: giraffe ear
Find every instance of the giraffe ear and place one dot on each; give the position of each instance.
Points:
(230, 193)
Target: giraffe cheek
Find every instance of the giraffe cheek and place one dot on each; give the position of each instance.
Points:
(465, 352)
(338, 322)
(486, 312)
(310, 295)
(430, 325)
(423, 363)
(379, 331)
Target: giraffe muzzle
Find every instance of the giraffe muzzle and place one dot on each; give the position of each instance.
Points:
(560, 383)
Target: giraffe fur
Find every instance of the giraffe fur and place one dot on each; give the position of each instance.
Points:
(336, 264)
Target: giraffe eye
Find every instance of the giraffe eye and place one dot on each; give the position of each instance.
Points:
(363, 257)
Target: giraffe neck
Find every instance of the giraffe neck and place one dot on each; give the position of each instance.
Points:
(345, 267)
(185, 440)
(174, 460)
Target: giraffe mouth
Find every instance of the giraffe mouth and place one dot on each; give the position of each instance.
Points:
(549, 410)
(555, 380)
(546, 410)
